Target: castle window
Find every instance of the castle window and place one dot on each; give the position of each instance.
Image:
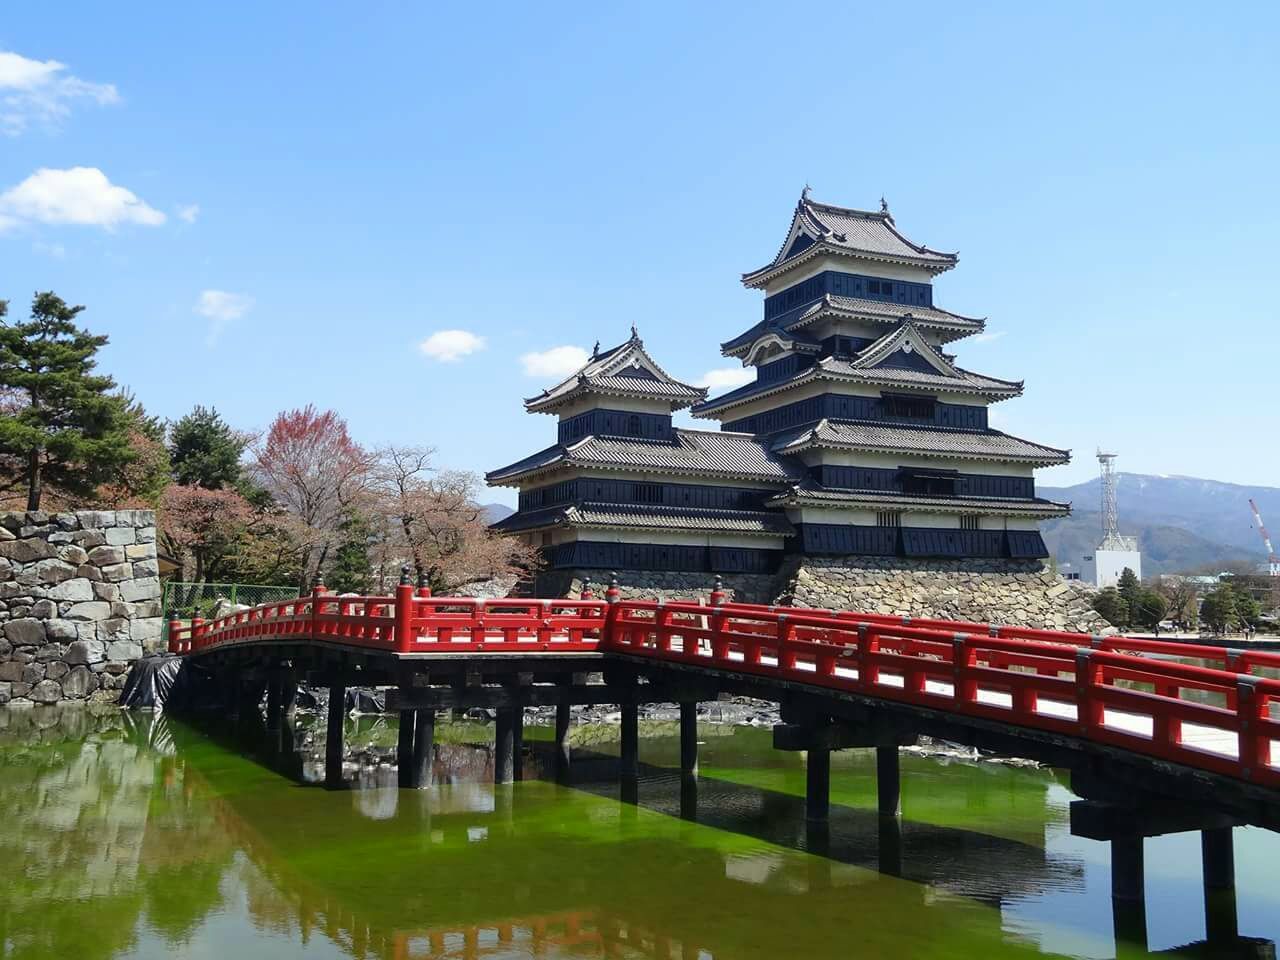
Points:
(969, 523)
(633, 426)
(889, 518)
(929, 483)
(646, 492)
(903, 407)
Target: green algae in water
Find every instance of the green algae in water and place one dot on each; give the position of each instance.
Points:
(131, 836)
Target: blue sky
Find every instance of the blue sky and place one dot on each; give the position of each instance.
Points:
(279, 204)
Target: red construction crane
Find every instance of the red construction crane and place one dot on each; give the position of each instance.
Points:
(1273, 562)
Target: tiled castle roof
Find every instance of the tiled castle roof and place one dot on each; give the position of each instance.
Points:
(824, 227)
(625, 370)
(875, 365)
(950, 326)
(809, 495)
(692, 452)
(645, 517)
(944, 442)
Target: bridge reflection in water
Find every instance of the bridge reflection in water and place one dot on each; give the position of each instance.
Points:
(469, 869)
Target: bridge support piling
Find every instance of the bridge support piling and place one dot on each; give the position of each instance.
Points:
(688, 739)
(817, 806)
(888, 782)
(275, 696)
(689, 798)
(333, 735)
(517, 742)
(563, 718)
(424, 736)
(1128, 891)
(1218, 856)
(404, 748)
(503, 745)
(630, 755)
(889, 846)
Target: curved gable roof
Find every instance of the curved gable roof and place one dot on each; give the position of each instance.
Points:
(625, 370)
(846, 230)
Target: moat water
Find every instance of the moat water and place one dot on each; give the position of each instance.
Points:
(127, 835)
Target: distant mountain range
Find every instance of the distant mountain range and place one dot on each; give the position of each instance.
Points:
(496, 511)
(1183, 524)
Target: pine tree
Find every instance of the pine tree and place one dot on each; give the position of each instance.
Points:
(1113, 607)
(205, 450)
(352, 569)
(1130, 589)
(68, 430)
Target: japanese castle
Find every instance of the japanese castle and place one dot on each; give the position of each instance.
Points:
(860, 436)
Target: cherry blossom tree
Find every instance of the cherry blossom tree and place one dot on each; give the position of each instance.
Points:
(431, 519)
(203, 526)
(316, 472)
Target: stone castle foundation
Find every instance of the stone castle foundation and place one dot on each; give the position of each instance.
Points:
(1025, 593)
(1022, 593)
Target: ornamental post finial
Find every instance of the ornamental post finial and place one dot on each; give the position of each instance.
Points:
(404, 576)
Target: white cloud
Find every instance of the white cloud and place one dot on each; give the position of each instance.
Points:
(42, 90)
(726, 378)
(79, 195)
(221, 308)
(988, 336)
(189, 212)
(558, 362)
(450, 346)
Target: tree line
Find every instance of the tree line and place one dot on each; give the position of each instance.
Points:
(301, 499)
(1131, 603)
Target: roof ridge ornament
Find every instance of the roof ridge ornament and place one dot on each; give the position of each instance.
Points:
(804, 194)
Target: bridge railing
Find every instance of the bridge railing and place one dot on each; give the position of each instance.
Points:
(464, 625)
(1210, 717)
(1218, 715)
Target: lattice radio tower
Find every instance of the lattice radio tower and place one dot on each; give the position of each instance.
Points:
(1111, 539)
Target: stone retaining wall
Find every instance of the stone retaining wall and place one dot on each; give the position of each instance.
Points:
(1014, 592)
(656, 585)
(79, 602)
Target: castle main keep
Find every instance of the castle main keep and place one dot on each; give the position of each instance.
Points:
(858, 468)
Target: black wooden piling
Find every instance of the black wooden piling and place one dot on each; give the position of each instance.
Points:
(404, 748)
(333, 734)
(424, 734)
(818, 784)
(889, 846)
(517, 742)
(1217, 852)
(275, 685)
(503, 746)
(563, 718)
(888, 782)
(630, 749)
(688, 739)
(1128, 892)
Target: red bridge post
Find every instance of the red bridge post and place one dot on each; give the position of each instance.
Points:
(403, 638)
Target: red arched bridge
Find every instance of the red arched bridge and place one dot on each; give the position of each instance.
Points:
(1215, 715)
(1158, 737)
